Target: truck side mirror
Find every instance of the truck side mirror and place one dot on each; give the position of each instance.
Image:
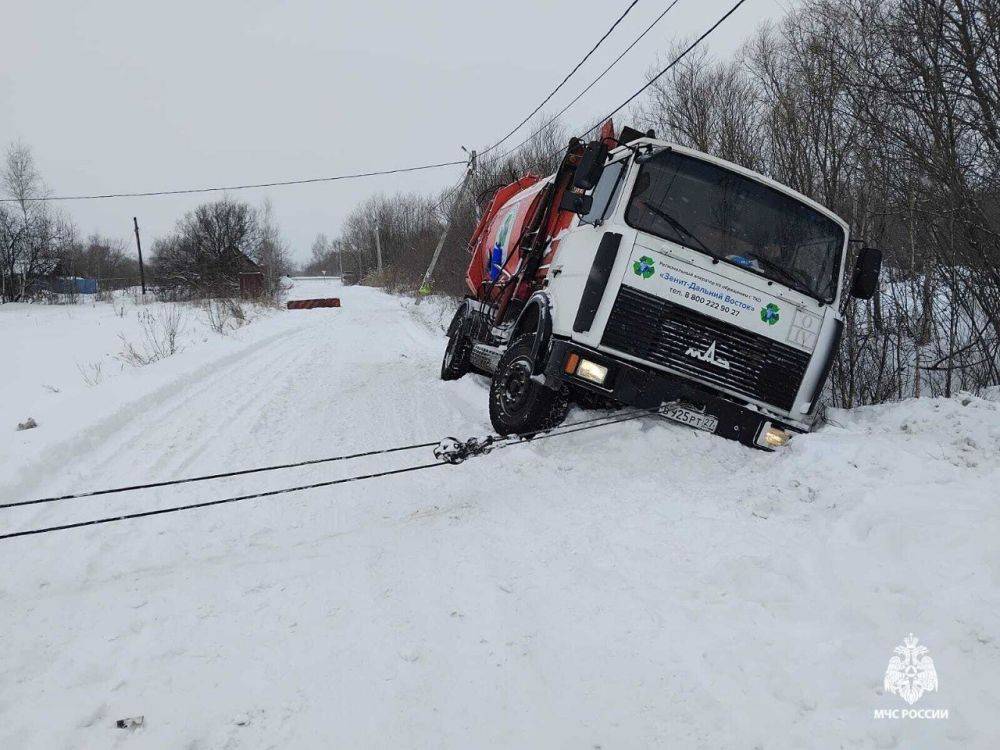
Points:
(576, 202)
(864, 281)
(591, 165)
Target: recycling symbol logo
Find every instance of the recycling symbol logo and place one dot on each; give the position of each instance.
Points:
(769, 313)
(644, 267)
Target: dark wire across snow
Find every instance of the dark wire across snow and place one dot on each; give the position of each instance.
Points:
(492, 442)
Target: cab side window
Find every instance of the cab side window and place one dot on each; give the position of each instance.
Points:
(605, 193)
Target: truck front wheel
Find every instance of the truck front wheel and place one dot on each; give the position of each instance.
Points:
(519, 404)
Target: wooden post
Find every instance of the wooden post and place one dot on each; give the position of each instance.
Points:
(425, 285)
(378, 251)
(138, 244)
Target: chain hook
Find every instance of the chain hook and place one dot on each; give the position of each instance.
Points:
(454, 451)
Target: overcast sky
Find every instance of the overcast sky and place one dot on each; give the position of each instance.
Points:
(137, 96)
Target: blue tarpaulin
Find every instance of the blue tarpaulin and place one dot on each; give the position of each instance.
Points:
(75, 285)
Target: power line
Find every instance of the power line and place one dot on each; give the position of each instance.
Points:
(564, 80)
(188, 191)
(655, 78)
(447, 447)
(210, 503)
(571, 427)
(594, 82)
(663, 72)
(206, 477)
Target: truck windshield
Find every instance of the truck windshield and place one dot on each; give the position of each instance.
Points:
(736, 219)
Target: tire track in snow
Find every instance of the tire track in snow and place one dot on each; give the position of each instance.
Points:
(110, 436)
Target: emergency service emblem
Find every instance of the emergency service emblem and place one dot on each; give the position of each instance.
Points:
(769, 313)
(644, 267)
(911, 671)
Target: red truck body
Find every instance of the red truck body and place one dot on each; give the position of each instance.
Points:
(507, 228)
(500, 232)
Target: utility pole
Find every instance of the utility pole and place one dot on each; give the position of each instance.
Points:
(138, 244)
(361, 262)
(425, 285)
(378, 251)
(340, 258)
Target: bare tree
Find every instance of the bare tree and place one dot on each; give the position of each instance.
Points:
(216, 242)
(708, 105)
(29, 229)
(407, 227)
(98, 257)
(325, 257)
(270, 251)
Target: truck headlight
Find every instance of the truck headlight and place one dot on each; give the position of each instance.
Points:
(591, 371)
(773, 437)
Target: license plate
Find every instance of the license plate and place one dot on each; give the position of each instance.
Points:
(690, 417)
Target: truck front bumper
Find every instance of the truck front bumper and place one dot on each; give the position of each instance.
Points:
(632, 385)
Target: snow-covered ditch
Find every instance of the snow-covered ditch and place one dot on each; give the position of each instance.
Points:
(633, 586)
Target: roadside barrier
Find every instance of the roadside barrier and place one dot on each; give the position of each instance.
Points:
(309, 304)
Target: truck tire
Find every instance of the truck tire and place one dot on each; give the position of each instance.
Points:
(455, 362)
(519, 404)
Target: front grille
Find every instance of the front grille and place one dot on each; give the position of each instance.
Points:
(658, 331)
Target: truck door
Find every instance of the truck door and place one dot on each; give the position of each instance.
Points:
(575, 282)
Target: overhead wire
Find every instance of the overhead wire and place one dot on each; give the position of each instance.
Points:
(564, 80)
(281, 183)
(593, 83)
(665, 70)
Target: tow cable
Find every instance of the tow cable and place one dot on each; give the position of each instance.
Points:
(449, 451)
(454, 451)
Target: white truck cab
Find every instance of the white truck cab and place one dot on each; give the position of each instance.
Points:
(690, 283)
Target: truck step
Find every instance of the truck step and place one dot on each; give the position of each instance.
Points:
(485, 358)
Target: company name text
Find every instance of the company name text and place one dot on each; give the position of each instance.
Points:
(694, 286)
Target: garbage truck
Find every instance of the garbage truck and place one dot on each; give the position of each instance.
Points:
(646, 274)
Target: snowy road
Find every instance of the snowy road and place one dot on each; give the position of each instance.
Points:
(635, 586)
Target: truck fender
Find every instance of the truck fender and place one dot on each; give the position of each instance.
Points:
(536, 317)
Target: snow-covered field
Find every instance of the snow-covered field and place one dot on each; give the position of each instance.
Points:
(639, 585)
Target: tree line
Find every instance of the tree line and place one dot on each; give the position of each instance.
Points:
(406, 227)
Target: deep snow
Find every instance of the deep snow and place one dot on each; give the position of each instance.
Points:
(631, 586)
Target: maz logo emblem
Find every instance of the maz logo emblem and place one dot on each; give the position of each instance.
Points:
(708, 356)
